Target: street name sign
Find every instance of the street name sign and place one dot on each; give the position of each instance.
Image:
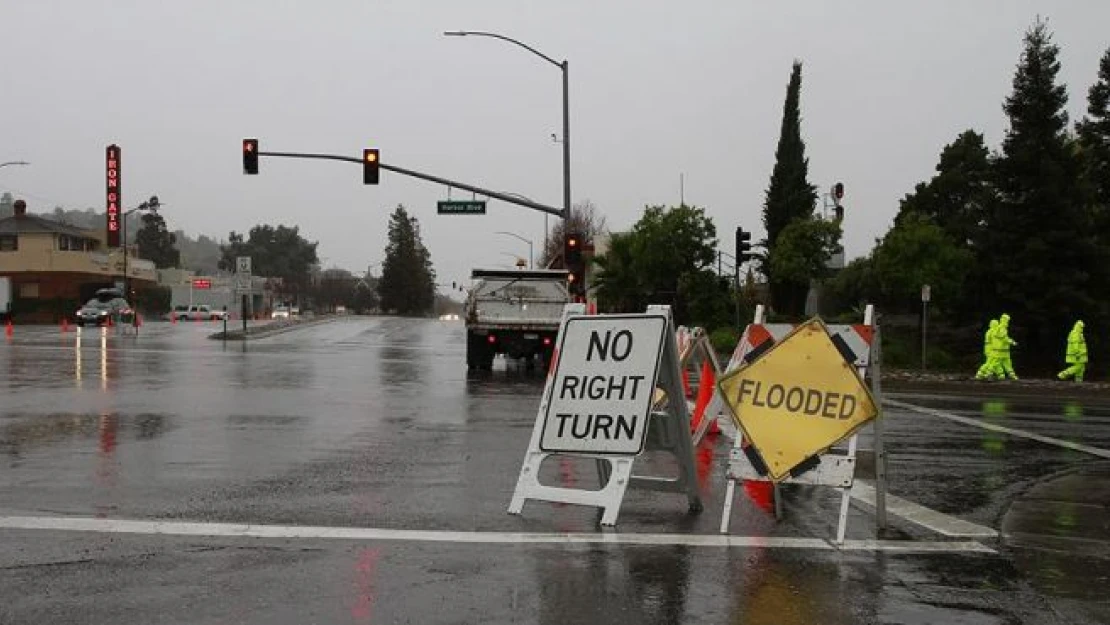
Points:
(466, 207)
(604, 380)
(798, 399)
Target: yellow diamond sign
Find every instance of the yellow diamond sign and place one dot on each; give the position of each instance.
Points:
(798, 399)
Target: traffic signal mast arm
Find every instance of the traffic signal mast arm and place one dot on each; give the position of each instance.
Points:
(543, 208)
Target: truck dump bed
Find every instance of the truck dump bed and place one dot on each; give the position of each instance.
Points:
(518, 299)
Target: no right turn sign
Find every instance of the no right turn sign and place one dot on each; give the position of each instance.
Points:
(603, 384)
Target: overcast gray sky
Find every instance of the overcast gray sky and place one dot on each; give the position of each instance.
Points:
(658, 89)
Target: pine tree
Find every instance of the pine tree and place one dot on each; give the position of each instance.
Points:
(790, 196)
(1037, 250)
(957, 198)
(156, 243)
(1094, 136)
(407, 286)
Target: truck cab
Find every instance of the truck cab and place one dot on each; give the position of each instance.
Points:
(515, 314)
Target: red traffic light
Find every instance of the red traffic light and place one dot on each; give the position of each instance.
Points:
(250, 156)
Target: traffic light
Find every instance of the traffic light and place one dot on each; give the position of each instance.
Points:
(838, 192)
(572, 260)
(371, 162)
(572, 250)
(743, 245)
(250, 156)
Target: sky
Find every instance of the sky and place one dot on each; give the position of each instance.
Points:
(659, 91)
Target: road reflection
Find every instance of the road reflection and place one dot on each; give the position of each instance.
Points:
(627, 585)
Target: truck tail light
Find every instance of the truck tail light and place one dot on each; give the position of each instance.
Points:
(547, 340)
(491, 338)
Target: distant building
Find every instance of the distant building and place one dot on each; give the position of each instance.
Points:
(55, 267)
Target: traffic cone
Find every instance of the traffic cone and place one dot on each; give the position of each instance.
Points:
(9, 330)
(173, 319)
(705, 394)
(138, 320)
(65, 324)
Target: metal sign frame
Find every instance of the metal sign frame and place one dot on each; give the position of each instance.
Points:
(668, 430)
(836, 467)
(695, 348)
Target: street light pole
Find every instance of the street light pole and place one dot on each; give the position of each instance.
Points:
(153, 205)
(564, 67)
(531, 257)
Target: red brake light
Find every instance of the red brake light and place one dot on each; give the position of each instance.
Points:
(492, 339)
(547, 340)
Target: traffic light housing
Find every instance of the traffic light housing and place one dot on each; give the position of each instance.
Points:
(573, 261)
(250, 156)
(371, 166)
(743, 245)
(838, 192)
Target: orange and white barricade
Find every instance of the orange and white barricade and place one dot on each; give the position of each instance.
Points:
(859, 345)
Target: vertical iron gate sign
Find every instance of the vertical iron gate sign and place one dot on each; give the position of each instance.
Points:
(114, 193)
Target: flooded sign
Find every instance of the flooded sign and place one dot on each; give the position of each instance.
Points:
(798, 399)
(603, 384)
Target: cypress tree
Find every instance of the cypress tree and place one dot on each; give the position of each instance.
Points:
(790, 197)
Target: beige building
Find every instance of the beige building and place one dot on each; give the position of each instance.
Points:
(54, 267)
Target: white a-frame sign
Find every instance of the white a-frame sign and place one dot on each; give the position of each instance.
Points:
(608, 397)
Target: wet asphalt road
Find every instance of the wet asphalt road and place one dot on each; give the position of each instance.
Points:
(375, 423)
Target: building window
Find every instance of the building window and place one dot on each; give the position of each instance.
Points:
(29, 290)
(63, 242)
(9, 243)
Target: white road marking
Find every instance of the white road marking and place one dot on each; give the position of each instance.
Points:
(183, 528)
(1094, 451)
(926, 517)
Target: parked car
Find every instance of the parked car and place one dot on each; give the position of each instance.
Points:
(280, 312)
(107, 305)
(197, 312)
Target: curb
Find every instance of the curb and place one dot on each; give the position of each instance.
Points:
(1020, 388)
(270, 329)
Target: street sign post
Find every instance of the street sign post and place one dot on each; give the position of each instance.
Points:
(926, 296)
(243, 285)
(461, 207)
(798, 399)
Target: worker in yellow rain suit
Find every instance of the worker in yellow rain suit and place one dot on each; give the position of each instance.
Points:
(990, 361)
(1076, 356)
(1002, 344)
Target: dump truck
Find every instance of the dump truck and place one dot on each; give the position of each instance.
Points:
(515, 313)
